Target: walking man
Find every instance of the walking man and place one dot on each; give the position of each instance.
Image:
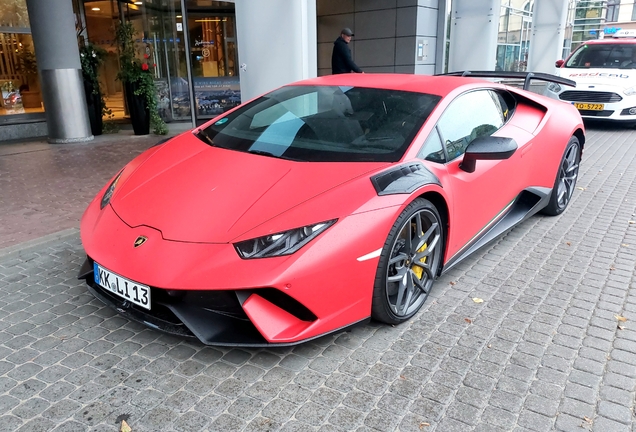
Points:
(341, 61)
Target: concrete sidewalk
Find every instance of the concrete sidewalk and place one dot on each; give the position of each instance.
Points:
(44, 188)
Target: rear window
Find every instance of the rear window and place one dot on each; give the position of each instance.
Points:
(610, 56)
(325, 123)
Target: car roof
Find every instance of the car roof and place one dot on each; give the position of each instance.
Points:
(430, 84)
(610, 41)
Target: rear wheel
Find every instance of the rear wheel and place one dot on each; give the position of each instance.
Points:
(566, 179)
(409, 263)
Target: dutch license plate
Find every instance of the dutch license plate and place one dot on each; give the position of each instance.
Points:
(589, 106)
(125, 288)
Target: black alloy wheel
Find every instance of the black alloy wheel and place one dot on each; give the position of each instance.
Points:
(565, 181)
(409, 263)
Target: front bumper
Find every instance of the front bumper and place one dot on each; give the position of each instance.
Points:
(616, 105)
(208, 292)
(215, 317)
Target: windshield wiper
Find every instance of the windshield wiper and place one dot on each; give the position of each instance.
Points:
(269, 154)
(203, 135)
(262, 153)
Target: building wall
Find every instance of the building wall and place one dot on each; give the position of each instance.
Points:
(625, 10)
(276, 44)
(389, 34)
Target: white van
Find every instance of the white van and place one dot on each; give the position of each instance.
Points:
(605, 74)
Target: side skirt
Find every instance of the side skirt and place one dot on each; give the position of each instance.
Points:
(527, 203)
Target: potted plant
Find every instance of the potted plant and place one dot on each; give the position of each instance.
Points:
(139, 85)
(91, 57)
(27, 66)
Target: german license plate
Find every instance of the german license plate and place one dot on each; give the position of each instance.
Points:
(125, 288)
(589, 106)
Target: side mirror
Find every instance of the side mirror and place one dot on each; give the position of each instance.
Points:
(487, 148)
(559, 63)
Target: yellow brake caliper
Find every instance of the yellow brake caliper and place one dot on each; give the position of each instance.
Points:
(417, 269)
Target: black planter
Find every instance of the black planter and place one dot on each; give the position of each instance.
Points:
(138, 109)
(94, 105)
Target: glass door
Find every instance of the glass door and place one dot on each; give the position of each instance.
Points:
(100, 18)
(159, 25)
(513, 39)
(214, 61)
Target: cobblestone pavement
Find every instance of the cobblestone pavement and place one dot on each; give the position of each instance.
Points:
(544, 351)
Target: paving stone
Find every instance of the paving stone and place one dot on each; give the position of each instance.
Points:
(346, 418)
(534, 421)
(313, 414)
(602, 424)
(615, 412)
(37, 425)
(493, 416)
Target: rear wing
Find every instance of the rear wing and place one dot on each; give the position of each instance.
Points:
(525, 76)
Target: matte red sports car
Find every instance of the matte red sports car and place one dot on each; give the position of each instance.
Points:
(325, 203)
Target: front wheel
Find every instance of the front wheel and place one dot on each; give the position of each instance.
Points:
(565, 180)
(409, 263)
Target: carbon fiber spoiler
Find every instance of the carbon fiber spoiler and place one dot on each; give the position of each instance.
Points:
(525, 76)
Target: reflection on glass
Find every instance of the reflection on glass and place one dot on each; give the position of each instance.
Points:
(13, 13)
(19, 84)
(214, 59)
(101, 17)
(160, 34)
(514, 38)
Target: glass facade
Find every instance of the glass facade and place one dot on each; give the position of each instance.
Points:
(589, 17)
(209, 47)
(515, 24)
(19, 81)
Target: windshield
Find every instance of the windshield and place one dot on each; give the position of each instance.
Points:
(615, 56)
(325, 123)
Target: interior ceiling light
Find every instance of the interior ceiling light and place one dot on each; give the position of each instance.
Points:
(139, 3)
(179, 16)
(96, 9)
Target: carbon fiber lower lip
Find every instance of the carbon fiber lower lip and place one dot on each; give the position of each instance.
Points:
(187, 320)
(140, 317)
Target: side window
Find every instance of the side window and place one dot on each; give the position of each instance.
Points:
(433, 150)
(506, 103)
(470, 116)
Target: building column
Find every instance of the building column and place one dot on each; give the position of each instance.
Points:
(474, 30)
(57, 54)
(548, 33)
(277, 43)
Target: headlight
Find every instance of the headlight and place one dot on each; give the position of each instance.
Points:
(630, 91)
(554, 87)
(109, 192)
(284, 243)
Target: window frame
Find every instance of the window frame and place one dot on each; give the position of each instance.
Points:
(613, 9)
(506, 118)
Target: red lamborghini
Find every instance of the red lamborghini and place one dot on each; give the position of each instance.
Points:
(325, 203)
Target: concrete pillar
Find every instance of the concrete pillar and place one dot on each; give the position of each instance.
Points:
(548, 32)
(473, 40)
(57, 53)
(440, 43)
(277, 43)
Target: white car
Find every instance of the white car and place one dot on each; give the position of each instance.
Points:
(605, 74)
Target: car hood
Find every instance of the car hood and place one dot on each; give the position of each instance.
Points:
(193, 192)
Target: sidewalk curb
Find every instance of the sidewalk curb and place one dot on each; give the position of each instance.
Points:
(16, 251)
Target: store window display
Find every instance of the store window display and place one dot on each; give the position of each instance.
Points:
(19, 81)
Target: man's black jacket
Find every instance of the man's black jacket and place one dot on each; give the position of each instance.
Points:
(341, 61)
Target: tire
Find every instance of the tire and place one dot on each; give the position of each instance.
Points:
(409, 263)
(565, 181)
